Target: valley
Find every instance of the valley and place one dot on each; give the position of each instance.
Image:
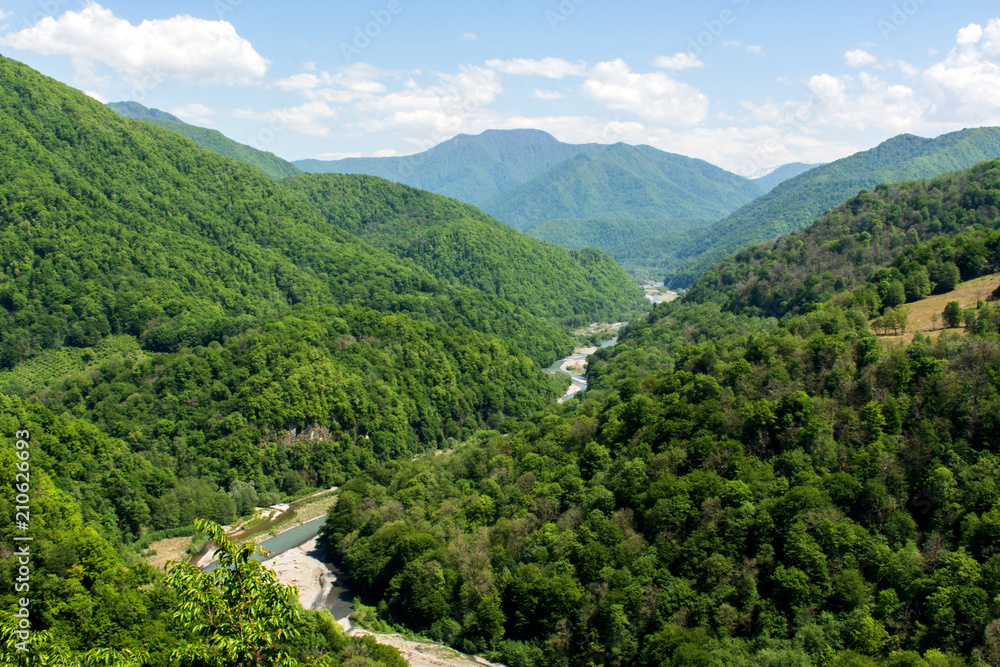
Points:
(543, 403)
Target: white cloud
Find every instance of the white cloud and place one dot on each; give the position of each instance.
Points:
(309, 66)
(387, 152)
(4, 15)
(553, 68)
(547, 94)
(195, 113)
(859, 58)
(970, 34)
(754, 49)
(965, 86)
(470, 37)
(97, 96)
(656, 97)
(861, 103)
(681, 61)
(336, 156)
(731, 43)
(307, 118)
(182, 47)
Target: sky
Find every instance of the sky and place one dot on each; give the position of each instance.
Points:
(747, 85)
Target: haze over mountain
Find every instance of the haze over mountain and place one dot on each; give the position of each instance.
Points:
(778, 176)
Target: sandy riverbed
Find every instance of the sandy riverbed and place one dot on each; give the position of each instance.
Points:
(300, 567)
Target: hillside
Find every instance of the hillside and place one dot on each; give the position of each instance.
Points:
(897, 244)
(468, 168)
(461, 244)
(733, 488)
(798, 201)
(213, 140)
(621, 180)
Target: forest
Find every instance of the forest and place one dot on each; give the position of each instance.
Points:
(753, 476)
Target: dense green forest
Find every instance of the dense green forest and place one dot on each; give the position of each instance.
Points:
(745, 482)
(796, 202)
(752, 478)
(623, 180)
(462, 244)
(213, 140)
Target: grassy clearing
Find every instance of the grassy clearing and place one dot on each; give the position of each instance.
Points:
(968, 294)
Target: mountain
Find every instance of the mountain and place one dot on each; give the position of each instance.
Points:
(522, 177)
(213, 140)
(468, 168)
(753, 476)
(622, 180)
(460, 243)
(140, 112)
(771, 180)
(182, 245)
(797, 201)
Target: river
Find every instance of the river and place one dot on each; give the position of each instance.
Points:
(578, 381)
(333, 596)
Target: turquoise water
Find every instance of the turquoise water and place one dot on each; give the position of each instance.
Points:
(337, 599)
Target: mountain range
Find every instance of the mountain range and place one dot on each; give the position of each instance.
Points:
(796, 202)
(658, 214)
(758, 473)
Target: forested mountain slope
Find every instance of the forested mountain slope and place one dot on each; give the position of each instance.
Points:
(468, 168)
(460, 243)
(635, 181)
(733, 489)
(798, 201)
(181, 244)
(213, 140)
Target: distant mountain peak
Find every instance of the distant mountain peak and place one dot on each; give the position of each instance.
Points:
(138, 111)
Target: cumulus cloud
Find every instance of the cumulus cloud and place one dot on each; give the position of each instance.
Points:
(847, 102)
(859, 58)
(182, 47)
(656, 97)
(307, 118)
(681, 61)
(553, 68)
(547, 94)
(966, 84)
(195, 113)
(97, 96)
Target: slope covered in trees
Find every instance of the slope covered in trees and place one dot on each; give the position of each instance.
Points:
(254, 351)
(734, 488)
(461, 244)
(122, 227)
(635, 181)
(213, 140)
(798, 201)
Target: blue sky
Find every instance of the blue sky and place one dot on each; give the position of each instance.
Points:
(745, 84)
